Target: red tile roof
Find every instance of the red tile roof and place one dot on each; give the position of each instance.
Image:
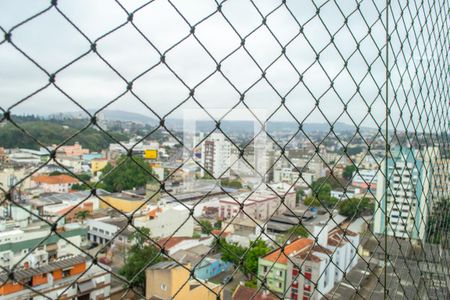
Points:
(245, 293)
(218, 232)
(294, 247)
(58, 179)
(170, 242)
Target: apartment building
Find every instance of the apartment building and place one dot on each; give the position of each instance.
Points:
(409, 193)
(291, 176)
(71, 150)
(365, 179)
(54, 184)
(36, 245)
(169, 280)
(215, 155)
(10, 177)
(103, 230)
(167, 221)
(306, 269)
(260, 204)
(68, 277)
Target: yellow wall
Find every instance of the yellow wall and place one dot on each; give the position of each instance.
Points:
(202, 292)
(173, 279)
(98, 165)
(121, 204)
(151, 154)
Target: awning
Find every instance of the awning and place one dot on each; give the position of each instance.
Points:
(86, 286)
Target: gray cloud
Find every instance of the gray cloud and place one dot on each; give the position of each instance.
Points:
(53, 42)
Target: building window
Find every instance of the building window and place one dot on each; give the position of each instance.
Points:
(163, 287)
(280, 285)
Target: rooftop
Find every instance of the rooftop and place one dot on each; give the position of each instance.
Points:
(296, 246)
(66, 262)
(244, 293)
(127, 196)
(57, 179)
(164, 265)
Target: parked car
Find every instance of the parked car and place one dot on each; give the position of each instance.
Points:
(227, 279)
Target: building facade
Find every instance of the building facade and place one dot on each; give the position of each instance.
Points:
(65, 278)
(44, 247)
(260, 205)
(306, 269)
(215, 157)
(168, 280)
(54, 184)
(409, 193)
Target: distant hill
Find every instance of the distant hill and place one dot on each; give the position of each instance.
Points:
(207, 126)
(112, 115)
(53, 131)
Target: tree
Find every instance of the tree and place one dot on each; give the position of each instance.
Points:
(218, 224)
(234, 253)
(299, 194)
(140, 256)
(82, 215)
(55, 173)
(258, 249)
(54, 131)
(84, 176)
(127, 174)
(80, 187)
(312, 201)
(334, 182)
(354, 207)
(348, 172)
(206, 226)
(323, 191)
(298, 231)
(231, 252)
(232, 183)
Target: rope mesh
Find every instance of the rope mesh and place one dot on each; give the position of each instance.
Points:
(362, 87)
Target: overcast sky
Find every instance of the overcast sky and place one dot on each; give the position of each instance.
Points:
(53, 42)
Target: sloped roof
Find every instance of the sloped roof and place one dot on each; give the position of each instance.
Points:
(245, 293)
(280, 257)
(57, 179)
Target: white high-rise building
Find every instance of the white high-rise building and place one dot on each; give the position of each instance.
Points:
(409, 193)
(216, 153)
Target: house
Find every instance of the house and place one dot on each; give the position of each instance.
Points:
(205, 265)
(124, 201)
(172, 244)
(103, 230)
(365, 178)
(260, 204)
(64, 278)
(308, 268)
(342, 194)
(39, 245)
(169, 280)
(98, 164)
(167, 220)
(244, 293)
(71, 150)
(54, 184)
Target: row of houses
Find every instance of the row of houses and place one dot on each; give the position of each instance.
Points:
(308, 268)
